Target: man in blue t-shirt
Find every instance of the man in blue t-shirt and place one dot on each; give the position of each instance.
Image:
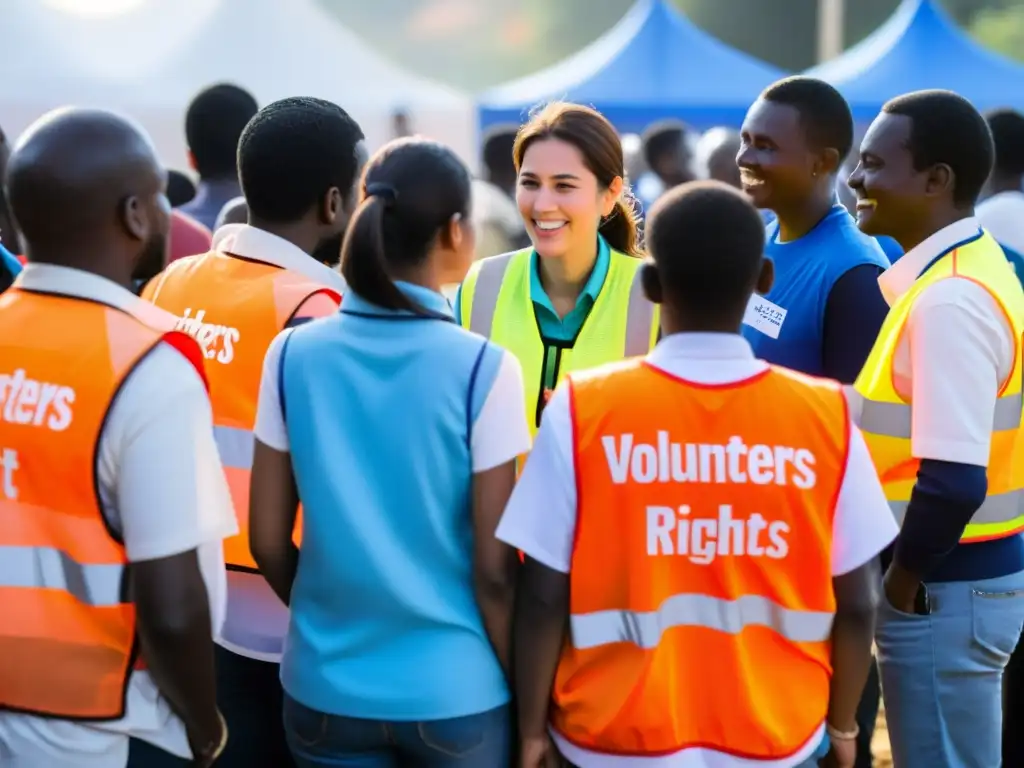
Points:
(825, 310)
(826, 304)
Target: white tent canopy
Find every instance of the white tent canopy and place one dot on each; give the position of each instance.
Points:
(148, 58)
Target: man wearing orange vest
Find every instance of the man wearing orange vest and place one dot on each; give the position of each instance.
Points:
(707, 527)
(298, 167)
(940, 407)
(113, 503)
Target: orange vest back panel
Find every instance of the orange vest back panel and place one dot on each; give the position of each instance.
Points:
(67, 627)
(701, 585)
(234, 308)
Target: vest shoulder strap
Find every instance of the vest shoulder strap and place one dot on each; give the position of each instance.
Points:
(490, 276)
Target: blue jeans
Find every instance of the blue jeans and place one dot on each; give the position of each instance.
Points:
(942, 674)
(318, 740)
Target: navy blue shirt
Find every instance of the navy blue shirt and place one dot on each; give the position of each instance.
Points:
(827, 283)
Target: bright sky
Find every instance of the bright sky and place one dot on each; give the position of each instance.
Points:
(95, 7)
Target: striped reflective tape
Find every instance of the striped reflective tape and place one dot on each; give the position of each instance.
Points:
(235, 447)
(98, 585)
(997, 508)
(895, 419)
(645, 628)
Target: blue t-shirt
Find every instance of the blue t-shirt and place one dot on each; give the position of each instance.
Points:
(805, 271)
(9, 263)
(893, 250)
(384, 620)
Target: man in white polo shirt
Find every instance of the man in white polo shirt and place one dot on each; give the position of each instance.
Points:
(114, 507)
(941, 413)
(298, 163)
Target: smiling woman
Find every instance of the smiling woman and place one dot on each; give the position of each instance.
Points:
(573, 300)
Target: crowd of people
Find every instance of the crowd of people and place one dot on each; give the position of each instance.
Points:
(392, 466)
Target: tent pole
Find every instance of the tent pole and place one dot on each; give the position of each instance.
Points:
(831, 28)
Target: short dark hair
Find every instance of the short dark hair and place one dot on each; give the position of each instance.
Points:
(707, 241)
(661, 138)
(824, 113)
(411, 190)
(180, 188)
(213, 124)
(946, 128)
(497, 149)
(292, 152)
(1007, 128)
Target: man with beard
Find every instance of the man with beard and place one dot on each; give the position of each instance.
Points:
(298, 162)
(113, 500)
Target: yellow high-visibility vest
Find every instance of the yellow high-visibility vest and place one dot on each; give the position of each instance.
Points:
(886, 418)
(496, 303)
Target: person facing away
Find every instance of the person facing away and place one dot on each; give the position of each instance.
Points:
(736, 500)
(668, 158)
(825, 307)
(574, 299)
(398, 431)
(1001, 211)
(715, 155)
(941, 409)
(213, 125)
(298, 164)
(114, 503)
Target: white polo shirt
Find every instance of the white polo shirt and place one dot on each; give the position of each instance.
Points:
(163, 490)
(540, 518)
(955, 353)
(257, 620)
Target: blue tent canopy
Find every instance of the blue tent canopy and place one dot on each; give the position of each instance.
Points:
(654, 64)
(921, 47)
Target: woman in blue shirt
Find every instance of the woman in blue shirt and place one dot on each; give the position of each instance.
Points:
(397, 430)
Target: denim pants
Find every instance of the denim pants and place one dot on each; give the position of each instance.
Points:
(942, 674)
(318, 740)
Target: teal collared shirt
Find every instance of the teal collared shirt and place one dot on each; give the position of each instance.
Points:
(551, 325)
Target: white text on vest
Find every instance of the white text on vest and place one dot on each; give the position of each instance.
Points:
(36, 403)
(9, 462)
(734, 462)
(218, 341)
(703, 539)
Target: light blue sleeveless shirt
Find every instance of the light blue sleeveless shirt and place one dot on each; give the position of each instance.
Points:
(384, 623)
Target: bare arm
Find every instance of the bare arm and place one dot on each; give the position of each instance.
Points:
(173, 617)
(273, 507)
(494, 563)
(857, 597)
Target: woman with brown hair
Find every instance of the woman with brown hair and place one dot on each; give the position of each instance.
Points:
(574, 299)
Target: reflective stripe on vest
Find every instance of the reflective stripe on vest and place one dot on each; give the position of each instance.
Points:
(646, 628)
(239, 324)
(639, 311)
(886, 418)
(67, 626)
(702, 551)
(496, 303)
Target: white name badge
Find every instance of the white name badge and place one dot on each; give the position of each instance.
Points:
(765, 316)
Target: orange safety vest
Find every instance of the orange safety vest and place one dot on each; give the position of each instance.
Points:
(701, 600)
(234, 307)
(67, 626)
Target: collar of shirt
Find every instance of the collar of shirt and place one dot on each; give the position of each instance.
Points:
(590, 290)
(426, 298)
(899, 278)
(78, 284)
(700, 346)
(259, 245)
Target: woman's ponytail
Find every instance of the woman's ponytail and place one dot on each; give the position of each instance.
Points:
(363, 260)
(621, 228)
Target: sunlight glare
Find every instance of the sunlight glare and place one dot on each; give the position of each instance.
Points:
(94, 8)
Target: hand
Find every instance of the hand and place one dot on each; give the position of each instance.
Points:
(841, 754)
(208, 745)
(540, 753)
(901, 588)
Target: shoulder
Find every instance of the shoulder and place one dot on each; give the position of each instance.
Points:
(849, 247)
(163, 378)
(806, 381)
